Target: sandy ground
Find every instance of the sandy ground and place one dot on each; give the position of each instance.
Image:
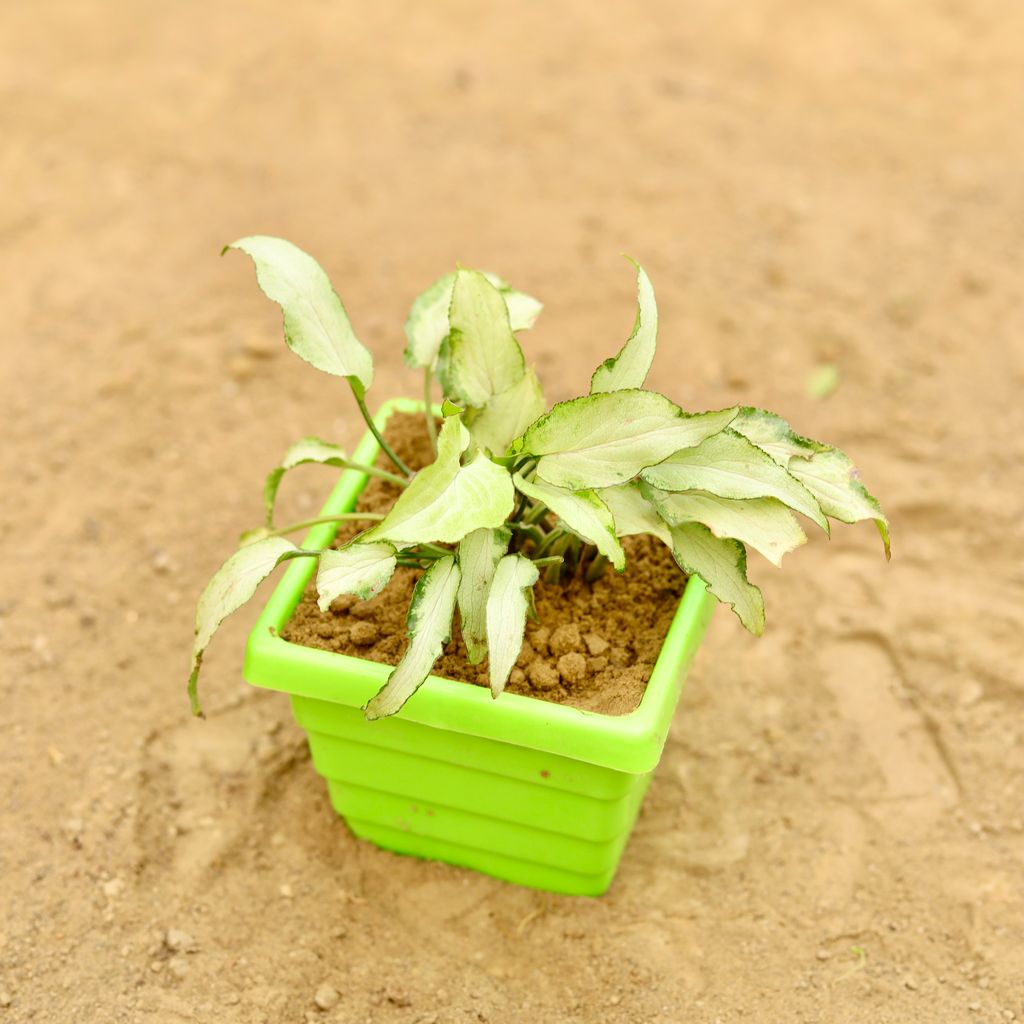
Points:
(836, 831)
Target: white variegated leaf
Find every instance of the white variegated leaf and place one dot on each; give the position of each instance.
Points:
(445, 501)
(506, 416)
(633, 513)
(606, 439)
(722, 564)
(427, 325)
(833, 480)
(507, 606)
(480, 357)
(583, 512)
(630, 367)
(316, 326)
(430, 627)
(764, 524)
(231, 586)
(479, 554)
(772, 434)
(730, 466)
(308, 449)
(358, 568)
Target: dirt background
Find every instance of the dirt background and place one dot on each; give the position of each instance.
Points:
(836, 831)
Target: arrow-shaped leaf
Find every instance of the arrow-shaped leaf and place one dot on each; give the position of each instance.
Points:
(480, 357)
(446, 500)
(308, 449)
(430, 628)
(479, 554)
(772, 434)
(633, 513)
(358, 568)
(630, 367)
(231, 586)
(602, 440)
(316, 326)
(834, 481)
(506, 416)
(764, 524)
(730, 466)
(583, 512)
(427, 325)
(507, 606)
(722, 564)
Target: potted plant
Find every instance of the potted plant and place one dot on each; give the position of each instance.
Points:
(517, 786)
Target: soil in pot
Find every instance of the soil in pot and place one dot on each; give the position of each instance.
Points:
(593, 648)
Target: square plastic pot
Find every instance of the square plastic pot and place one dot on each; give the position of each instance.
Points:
(535, 793)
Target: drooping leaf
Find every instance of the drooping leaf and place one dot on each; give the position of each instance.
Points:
(730, 466)
(358, 568)
(430, 627)
(231, 586)
(722, 564)
(764, 524)
(445, 501)
(630, 367)
(583, 512)
(834, 481)
(506, 416)
(316, 326)
(507, 606)
(772, 434)
(480, 357)
(308, 449)
(633, 513)
(479, 554)
(602, 440)
(427, 325)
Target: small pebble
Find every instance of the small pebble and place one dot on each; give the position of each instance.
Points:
(326, 997)
(595, 665)
(177, 966)
(517, 677)
(596, 645)
(572, 667)
(6, 998)
(112, 888)
(178, 941)
(285, 891)
(619, 657)
(539, 639)
(363, 634)
(542, 675)
(565, 640)
(910, 984)
(823, 954)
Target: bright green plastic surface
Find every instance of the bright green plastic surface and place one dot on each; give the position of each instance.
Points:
(532, 792)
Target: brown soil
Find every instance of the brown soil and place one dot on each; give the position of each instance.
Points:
(836, 830)
(593, 645)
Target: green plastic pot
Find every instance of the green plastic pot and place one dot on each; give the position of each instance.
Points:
(532, 792)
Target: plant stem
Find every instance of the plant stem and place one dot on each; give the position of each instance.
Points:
(596, 569)
(428, 415)
(291, 528)
(385, 447)
(434, 550)
(383, 474)
(549, 560)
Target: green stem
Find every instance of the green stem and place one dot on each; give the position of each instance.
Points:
(385, 447)
(428, 415)
(596, 569)
(292, 527)
(538, 512)
(550, 560)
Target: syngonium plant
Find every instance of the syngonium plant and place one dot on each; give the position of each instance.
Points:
(516, 488)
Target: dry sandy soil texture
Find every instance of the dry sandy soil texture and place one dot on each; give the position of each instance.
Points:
(836, 831)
